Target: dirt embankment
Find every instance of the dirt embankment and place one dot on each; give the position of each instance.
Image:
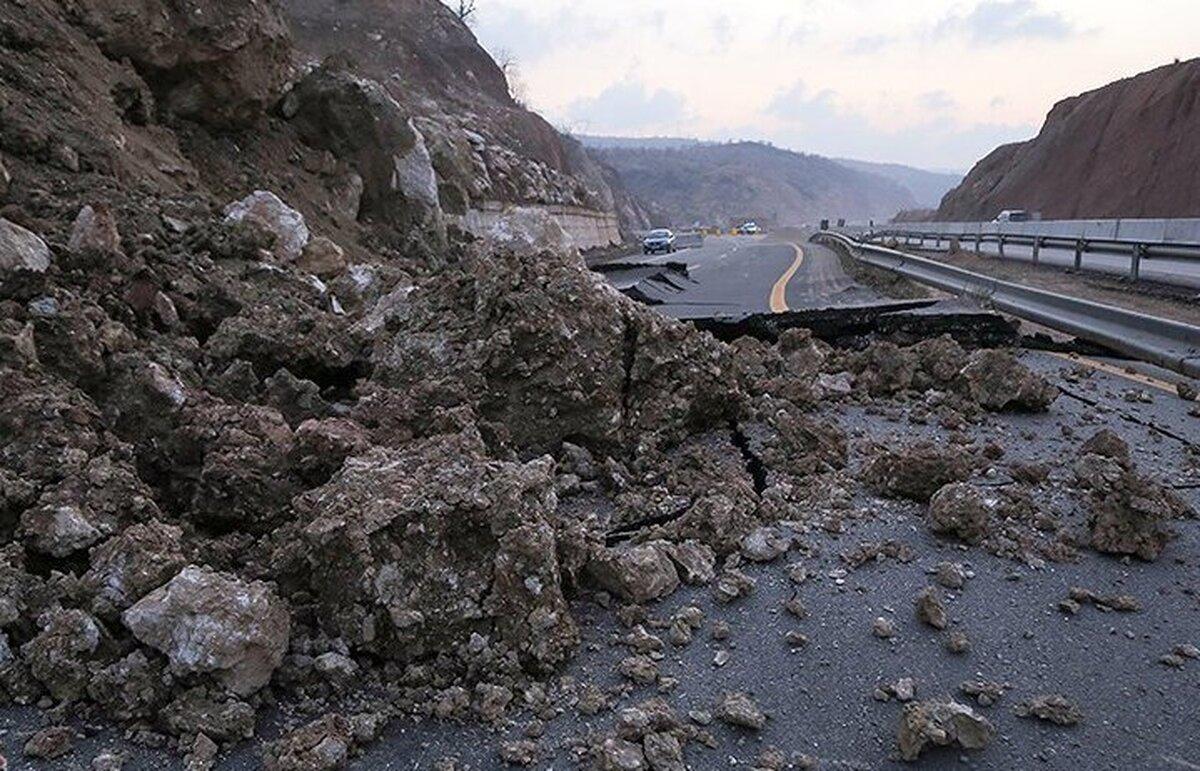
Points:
(1123, 150)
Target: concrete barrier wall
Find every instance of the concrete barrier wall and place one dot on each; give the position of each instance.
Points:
(588, 228)
(1180, 231)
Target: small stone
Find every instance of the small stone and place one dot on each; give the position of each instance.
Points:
(930, 608)
(522, 752)
(108, 761)
(202, 756)
(322, 257)
(1187, 651)
(796, 639)
(50, 743)
(1187, 391)
(640, 669)
(958, 643)
(738, 709)
(720, 630)
(941, 724)
(883, 628)
(1052, 707)
(986, 693)
(951, 575)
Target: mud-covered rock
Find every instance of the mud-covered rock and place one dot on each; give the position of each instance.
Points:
(200, 711)
(359, 122)
(60, 653)
(931, 610)
(130, 565)
(964, 511)
(50, 743)
(322, 257)
(941, 724)
(210, 622)
(1052, 708)
(135, 687)
(321, 745)
(409, 551)
(1130, 514)
(998, 382)
(634, 573)
(738, 709)
(917, 471)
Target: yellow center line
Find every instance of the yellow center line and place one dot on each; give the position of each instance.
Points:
(779, 292)
(1112, 369)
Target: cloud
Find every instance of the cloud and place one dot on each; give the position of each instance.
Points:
(937, 101)
(815, 122)
(997, 21)
(869, 44)
(628, 106)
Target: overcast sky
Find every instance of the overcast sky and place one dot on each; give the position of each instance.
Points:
(932, 83)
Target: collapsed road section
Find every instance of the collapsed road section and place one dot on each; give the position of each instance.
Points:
(1164, 342)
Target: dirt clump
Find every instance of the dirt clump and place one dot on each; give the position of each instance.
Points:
(915, 472)
(1052, 708)
(737, 709)
(1130, 514)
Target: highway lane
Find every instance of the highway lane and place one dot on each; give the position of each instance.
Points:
(735, 276)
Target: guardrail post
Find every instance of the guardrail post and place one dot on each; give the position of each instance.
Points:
(1037, 249)
(1080, 246)
(978, 242)
(1001, 246)
(1135, 265)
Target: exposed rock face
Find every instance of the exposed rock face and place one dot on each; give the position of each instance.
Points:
(484, 146)
(205, 621)
(21, 249)
(410, 551)
(1108, 153)
(528, 232)
(359, 122)
(216, 61)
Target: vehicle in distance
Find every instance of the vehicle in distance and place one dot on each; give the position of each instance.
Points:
(656, 241)
(1013, 215)
(749, 229)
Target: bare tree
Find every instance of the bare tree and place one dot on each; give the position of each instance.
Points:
(465, 10)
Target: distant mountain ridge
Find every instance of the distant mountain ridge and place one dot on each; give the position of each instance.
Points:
(1129, 149)
(926, 187)
(721, 184)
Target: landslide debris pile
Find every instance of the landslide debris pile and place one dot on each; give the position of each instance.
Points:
(272, 432)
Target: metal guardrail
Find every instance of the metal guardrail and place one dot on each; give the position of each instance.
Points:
(1170, 344)
(1140, 239)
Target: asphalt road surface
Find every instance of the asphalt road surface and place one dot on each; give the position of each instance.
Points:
(1173, 271)
(739, 275)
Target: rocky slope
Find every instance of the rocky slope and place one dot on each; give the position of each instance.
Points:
(1128, 149)
(485, 146)
(726, 184)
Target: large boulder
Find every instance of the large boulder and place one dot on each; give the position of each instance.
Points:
(360, 123)
(220, 62)
(21, 249)
(410, 551)
(210, 622)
